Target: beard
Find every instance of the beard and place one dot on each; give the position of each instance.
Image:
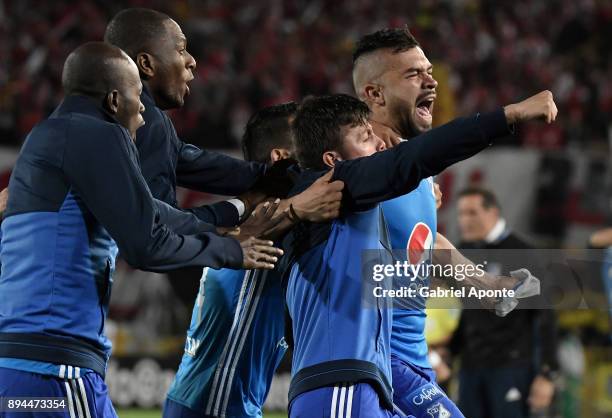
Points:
(404, 123)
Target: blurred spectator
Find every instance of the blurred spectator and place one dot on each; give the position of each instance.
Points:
(507, 364)
(253, 54)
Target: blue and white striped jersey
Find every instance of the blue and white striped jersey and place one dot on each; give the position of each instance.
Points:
(234, 344)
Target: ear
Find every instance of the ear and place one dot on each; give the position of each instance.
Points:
(330, 158)
(374, 94)
(278, 154)
(146, 65)
(111, 102)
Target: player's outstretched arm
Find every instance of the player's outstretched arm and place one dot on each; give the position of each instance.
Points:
(521, 282)
(103, 170)
(213, 172)
(397, 171)
(445, 253)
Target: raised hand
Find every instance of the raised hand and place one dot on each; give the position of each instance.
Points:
(541, 106)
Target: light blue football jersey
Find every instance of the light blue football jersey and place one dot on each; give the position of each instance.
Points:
(412, 221)
(234, 344)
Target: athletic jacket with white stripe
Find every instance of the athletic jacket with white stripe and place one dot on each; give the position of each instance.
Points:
(75, 195)
(340, 336)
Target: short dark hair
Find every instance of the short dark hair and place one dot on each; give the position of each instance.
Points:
(267, 129)
(136, 30)
(94, 69)
(396, 39)
(488, 197)
(316, 128)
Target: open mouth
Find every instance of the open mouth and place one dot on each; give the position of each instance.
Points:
(424, 106)
(187, 91)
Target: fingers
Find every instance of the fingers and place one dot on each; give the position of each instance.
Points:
(395, 140)
(388, 140)
(260, 254)
(252, 241)
(259, 265)
(554, 111)
(337, 185)
(326, 177)
(270, 210)
(550, 108)
(268, 250)
(266, 210)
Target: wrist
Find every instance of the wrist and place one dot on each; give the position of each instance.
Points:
(293, 214)
(512, 113)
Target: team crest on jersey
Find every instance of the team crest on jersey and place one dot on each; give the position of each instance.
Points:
(438, 411)
(419, 244)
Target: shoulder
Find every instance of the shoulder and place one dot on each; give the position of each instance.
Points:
(514, 241)
(85, 132)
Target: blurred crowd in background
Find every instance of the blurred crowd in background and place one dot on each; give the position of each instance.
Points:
(253, 54)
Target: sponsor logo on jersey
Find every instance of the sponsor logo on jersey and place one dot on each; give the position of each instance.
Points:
(427, 393)
(192, 345)
(419, 244)
(438, 411)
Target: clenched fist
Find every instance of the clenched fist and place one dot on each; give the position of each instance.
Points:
(541, 106)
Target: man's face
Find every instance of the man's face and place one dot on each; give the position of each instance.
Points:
(475, 221)
(409, 90)
(359, 141)
(174, 68)
(130, 108)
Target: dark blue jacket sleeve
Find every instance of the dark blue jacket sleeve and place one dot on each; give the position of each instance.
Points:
(103, 170)
(219, 214)
(213, 172)
(181, 221)
(397, 171)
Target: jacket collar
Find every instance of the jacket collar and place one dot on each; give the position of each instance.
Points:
(84, 105)
(146, 97)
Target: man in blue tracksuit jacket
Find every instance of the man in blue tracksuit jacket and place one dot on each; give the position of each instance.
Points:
(158, 46)
(341, 363)
(76, 198)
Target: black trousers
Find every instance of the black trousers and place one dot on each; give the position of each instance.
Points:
(495, 392)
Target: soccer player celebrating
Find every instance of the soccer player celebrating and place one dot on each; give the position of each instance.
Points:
(76, 196)
(394, 77)
(341, 358)
(158, 46)
(236, 337)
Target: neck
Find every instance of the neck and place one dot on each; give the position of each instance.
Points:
(381, 127)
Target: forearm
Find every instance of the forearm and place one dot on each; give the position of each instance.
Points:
(214, 172)
(181, 221)
(221, 214)
(445, 253)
